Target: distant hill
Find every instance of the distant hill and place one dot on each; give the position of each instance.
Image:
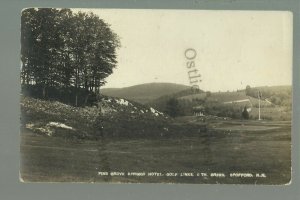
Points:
(276, 102)
(278, 95)
(144, 93)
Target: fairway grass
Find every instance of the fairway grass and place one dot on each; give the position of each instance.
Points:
(226, 149)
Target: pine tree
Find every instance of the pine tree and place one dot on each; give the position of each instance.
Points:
(245, 113)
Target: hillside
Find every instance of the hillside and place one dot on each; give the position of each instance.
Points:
(112, 117)
(144, 93)
(278, 95)
(275, 102)
(226, 98)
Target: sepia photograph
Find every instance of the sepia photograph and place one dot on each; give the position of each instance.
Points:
(156, 96)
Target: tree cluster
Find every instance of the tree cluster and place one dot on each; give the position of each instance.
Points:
(172, 107)
(278, 95)
(65, 49)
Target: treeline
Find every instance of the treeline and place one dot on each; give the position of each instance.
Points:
(62, 49)
(278, 95)
(174, 106)
(184, 107)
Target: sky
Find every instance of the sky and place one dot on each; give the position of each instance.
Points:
(233, 48)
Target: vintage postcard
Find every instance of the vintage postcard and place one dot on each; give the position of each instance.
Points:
(156, 96)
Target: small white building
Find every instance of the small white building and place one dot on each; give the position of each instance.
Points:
(198, 110)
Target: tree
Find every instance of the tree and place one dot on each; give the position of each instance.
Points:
(248, 90)
(208, 94)
(60, 48)
(245, 113)
(172, 107)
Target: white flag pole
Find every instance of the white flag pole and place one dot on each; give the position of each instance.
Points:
(259, 105)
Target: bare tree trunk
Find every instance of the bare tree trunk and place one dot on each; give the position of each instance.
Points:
(44, 92)
(86, 98)
(76, 88)
(76, 100)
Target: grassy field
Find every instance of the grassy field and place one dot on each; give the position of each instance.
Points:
(227, 147)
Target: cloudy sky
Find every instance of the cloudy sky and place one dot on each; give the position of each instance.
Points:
(234, 48)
